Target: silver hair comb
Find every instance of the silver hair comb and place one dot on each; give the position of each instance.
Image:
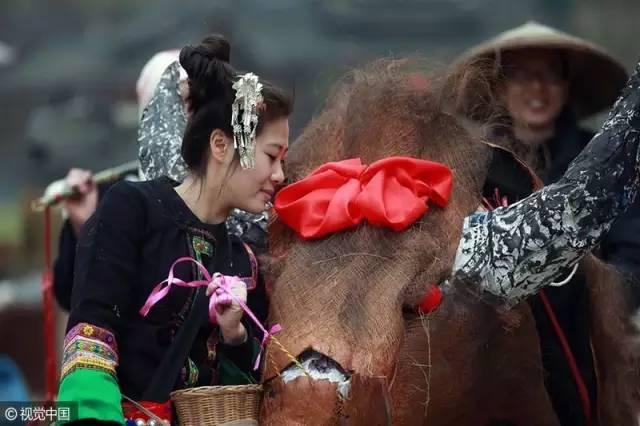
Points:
(248, 96)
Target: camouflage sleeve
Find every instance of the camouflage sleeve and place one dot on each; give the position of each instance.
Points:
(160, 131)
(251, 228)
(514, 251)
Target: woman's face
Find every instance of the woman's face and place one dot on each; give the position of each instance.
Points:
(535, 87)
(252, 189)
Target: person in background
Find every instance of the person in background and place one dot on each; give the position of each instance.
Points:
(79, 208)
(547, 81)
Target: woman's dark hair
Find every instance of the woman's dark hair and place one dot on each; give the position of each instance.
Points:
(211, 95)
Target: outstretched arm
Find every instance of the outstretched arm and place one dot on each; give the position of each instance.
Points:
(514, 251)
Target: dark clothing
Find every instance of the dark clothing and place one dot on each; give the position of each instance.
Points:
(570, 303)
(125, 249)
(251, 228)
(64, 263)
(63, 266)
(621, 246)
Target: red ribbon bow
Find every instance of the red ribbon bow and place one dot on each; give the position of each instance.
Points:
(392, 192)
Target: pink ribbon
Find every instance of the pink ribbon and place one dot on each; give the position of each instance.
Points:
(222, 296)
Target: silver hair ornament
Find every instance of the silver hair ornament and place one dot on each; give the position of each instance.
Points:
(244, 117)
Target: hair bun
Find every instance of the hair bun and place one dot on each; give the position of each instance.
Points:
(208, 68)
(215, 47)
(196, 59)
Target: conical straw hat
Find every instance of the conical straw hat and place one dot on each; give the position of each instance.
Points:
(596, 77)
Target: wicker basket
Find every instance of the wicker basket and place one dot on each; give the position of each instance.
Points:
(216, 405)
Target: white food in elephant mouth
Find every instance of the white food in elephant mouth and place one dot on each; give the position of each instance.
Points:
(319, 369)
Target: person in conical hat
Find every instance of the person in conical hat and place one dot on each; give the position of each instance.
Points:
(593, 77)
(545, 81)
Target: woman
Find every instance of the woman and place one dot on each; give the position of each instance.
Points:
(252, 228)
(163, 116)
(547, 80)
(129, 245)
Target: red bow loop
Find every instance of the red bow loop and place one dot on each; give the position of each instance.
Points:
(392, 192)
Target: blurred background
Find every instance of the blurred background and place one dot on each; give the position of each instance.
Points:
(68, 70)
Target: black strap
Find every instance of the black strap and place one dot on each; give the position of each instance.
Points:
(169, 369)
(167, 373)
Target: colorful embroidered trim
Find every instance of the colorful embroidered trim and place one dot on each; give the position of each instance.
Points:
(202, 246)
(88, 346)
(194, 374)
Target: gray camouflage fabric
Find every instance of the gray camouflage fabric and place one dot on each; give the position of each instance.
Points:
(162, 125)
(514, 251)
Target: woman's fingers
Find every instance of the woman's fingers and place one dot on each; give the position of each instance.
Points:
(227, 295)
(213, 286)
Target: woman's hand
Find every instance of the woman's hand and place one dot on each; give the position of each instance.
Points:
(228, 311)
(82, 205)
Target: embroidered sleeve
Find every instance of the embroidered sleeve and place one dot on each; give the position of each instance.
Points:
(89, 363)
(513, 251)
(88, 346)
(106, 271)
